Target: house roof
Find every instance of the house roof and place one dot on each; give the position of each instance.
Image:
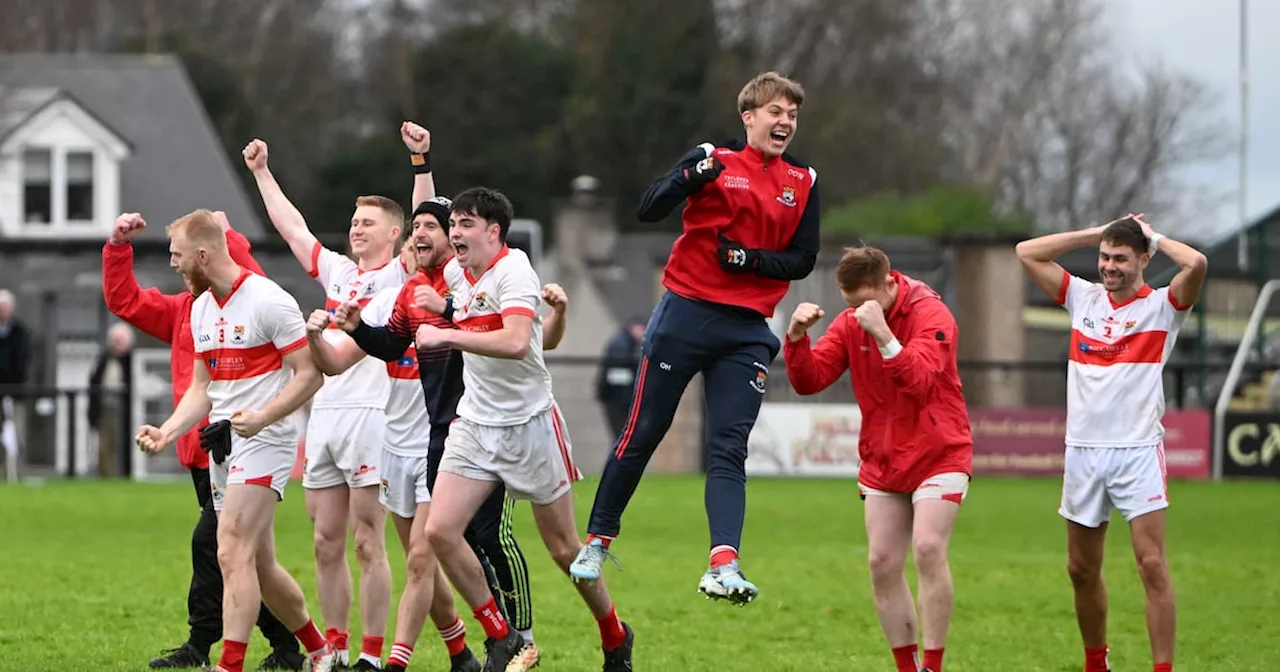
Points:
(178, 163)
(18, 105)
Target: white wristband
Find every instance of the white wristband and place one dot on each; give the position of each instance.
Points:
(891, 349)
(1155, 243)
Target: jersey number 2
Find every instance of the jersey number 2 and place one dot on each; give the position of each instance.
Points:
(1106, 332)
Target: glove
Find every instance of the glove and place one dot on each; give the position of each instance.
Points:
(703, 172)
(736, 258)
(216, 440)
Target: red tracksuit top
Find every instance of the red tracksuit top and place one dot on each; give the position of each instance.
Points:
(166, 317)
(767, 205)
(915, 423)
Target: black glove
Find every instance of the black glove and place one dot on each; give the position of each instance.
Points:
(216, 440)
(736, 258)
(703, 172)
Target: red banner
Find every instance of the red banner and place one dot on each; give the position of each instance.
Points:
(1030, 442)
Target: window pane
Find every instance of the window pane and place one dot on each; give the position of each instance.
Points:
(37, 204)
(79, 167)
(79, 186)
(37, 166)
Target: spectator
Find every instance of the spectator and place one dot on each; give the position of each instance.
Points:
(616, 380)
(15, 353)
(110, 394)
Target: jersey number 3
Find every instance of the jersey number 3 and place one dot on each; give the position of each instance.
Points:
(1106, 332)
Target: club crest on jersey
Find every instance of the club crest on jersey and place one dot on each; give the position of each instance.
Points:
(480, 301)
(759, 382)
(237, 334)
(788, 197)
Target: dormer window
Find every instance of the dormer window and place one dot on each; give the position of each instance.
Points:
(37, 186)
(79, 187)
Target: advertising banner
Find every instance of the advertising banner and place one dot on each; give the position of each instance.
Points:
(1251, 445)
(1030, 442)
(805, 440)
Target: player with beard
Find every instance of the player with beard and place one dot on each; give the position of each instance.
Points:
(751, 226)
(1122, 334)
(345, 430)
(167, 317)
(247, 332)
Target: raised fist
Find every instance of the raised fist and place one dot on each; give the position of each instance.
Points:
(255, 155)
(318, 321)
(805, 316)
(347, 315)
(428, 299)
(150, 439)
(703, 172)
(127, 227)
(415, 137)
(555, 297)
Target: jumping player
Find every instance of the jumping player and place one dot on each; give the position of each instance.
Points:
(750, 227)
(897, 339)
(1122, 333)
(167, 317)
(247, 330)
(346, 425)
(509, 428)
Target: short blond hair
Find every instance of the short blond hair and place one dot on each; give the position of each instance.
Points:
(385, 204)
(768, 86)
(201, 228)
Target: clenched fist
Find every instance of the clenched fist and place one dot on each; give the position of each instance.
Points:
(429, 337)
(555, 297)
(150, 439)
(870, 316)
(805, 316)
(318, 321)
(415, 137)
(255, 155)
(347, 316)
(428, 299)
(127, 227)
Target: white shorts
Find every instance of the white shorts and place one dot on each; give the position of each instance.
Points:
(951, 486)
(534, 460)
(1097, 480)
(252, 462)
(343, 447)
(404, 483)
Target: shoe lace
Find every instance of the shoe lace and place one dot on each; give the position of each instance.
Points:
(597, 554)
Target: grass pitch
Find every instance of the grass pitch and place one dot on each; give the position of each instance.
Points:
(93, 576)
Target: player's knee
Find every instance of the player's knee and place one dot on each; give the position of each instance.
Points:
(370, 547)
(421, 564)
(1083, 572)
(234, 554)
(564, 552)
(442, 537)
(885, 566)
(329, 547)
(1154, 571)
(931, 554)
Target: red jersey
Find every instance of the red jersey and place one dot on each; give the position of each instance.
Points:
(768, 205)
(166, 317)
(915, 423)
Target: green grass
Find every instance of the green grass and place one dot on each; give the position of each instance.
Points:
(94, 577)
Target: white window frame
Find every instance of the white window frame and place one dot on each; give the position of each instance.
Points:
(58, 221)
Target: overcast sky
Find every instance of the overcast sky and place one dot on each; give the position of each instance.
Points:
(1202, 37)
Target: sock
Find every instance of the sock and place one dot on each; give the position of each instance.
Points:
(905, 658)
(933, 660)
(310, 638)
(401, 653)
(495, 626)
(371, 649)
(232, 659)
(337, 638)
(611, 633)
(723, 555)
(527, 635)
(1095, 660)
(1164, 667)
(604, 541)
(455, 638)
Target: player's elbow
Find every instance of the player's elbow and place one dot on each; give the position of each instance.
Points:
(1199, 264)
(517, 350)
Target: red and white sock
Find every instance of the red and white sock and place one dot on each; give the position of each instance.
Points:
(612, 635)
(906, 659)
(310, 638)
(232, 659)
(604, 541)
(337, 638)
(401, 653)
(455, 637)
(933, 660)
(371, 650)
(495, 626)
(1095, 660)
(723, 555)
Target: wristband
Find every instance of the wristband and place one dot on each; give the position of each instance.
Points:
(891, 349)
(421, 162)
(1155, 243)
(447, 313)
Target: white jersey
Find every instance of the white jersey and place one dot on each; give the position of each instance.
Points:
(242, 340)
(500, 392)
(1115, 376)
(364, 385)
(408, 423)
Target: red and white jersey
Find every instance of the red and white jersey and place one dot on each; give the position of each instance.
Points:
(242, 341)
(364, 385)
(1115, 376)
(408, 423)
(500, 392)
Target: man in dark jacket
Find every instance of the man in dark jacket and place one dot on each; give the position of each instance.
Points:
(110, 407)
(15, 353)
(616, 380)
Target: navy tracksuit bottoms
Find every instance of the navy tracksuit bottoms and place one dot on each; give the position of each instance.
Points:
(732, 347)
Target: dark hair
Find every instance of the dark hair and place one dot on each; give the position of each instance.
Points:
(1127, 232)
(487, 204)
(860, 267)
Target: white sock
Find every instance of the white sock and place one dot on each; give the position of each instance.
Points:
(527, 635)
(377, 662)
